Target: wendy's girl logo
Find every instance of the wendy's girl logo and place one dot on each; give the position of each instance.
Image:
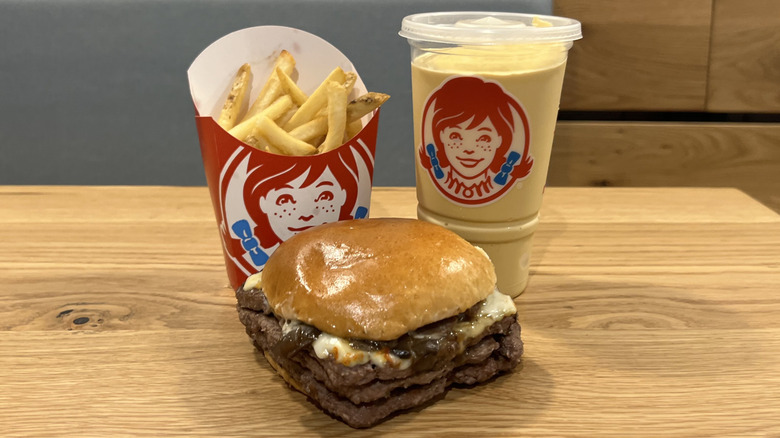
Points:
(475, 140)
(265, 199)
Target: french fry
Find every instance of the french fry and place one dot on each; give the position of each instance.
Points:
(254, 142)
(272, 149)
(318, 141)
(261, 143)
(247, 127)
(284, 118)
(337, 117)
(311, 129)
(355, 110)
(273, 112)
(290, 87)
(349, 82)
(273, 86)
(235, 99)
(353, 128)
(317, 100)
(365, 104)
(280, 139)
(270, 92)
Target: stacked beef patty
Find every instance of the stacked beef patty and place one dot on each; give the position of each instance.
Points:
(365, 394)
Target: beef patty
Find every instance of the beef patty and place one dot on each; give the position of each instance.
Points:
(363, 395)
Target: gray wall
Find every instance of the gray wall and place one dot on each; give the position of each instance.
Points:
(95, 92)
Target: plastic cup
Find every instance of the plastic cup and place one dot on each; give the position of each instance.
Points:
(486, 88)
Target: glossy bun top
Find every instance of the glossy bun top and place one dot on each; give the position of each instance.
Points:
(376, 279)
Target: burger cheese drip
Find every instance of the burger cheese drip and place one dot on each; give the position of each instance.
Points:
(254, 281)
(494, 308)
(342, 352)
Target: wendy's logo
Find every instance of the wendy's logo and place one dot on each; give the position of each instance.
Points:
(475, 140)
(266, 199)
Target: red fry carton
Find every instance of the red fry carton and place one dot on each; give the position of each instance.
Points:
(261, 199)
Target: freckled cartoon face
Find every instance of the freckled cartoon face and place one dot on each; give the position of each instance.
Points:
(293, 208)
(470, 150)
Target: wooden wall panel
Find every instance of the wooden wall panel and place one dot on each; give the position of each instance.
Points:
(745, 156)
(638, 55)
(745, 59)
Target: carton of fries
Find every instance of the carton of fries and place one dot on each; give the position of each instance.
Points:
(287, 132)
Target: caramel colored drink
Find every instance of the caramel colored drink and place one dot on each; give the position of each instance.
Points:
(486, 89)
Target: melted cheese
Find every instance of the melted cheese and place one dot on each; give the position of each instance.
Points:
(339, 349)
(290, 325)
(494, 308)
(255, 281)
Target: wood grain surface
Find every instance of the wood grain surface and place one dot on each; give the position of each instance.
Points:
(636, 154)
(648, 55)
(650, 312)
(744, 71)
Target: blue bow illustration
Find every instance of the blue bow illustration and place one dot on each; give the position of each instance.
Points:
(507, 167)
(361, 212)
(431, 150)
(249, 242)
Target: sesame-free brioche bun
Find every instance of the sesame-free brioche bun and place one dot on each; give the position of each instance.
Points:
(375, 279)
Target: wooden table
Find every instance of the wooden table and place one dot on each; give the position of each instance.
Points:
(649, 312)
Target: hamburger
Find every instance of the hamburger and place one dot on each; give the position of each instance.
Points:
(371, 317)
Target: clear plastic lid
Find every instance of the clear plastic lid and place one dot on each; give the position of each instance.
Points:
(484, 28)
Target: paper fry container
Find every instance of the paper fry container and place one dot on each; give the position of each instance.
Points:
(261, 199)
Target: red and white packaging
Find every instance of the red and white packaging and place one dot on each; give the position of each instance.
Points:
(261, 199)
